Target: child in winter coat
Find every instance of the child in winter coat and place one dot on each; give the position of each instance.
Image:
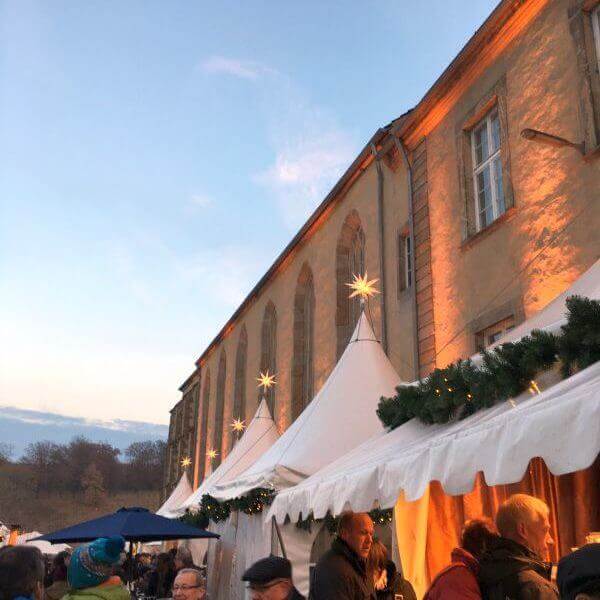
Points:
(90, 571)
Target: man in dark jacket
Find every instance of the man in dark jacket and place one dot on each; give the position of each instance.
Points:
(513, 567)
(341, 572)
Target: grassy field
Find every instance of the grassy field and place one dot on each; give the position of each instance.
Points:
(50, 511)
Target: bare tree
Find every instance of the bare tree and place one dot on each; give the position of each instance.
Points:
(92, 485)
(6, 452)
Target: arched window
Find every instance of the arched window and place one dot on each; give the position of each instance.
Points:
(349, 261)
(268, 352)
(219, 408)
(302, 361)
(239, 391)
(204, 427)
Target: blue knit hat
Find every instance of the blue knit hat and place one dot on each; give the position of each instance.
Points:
(92, 563)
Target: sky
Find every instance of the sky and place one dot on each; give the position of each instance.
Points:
(20, 427)
(156, 157)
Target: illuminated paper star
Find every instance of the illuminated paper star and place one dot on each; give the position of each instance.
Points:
(266, 380)
(212, 454)
(186, 462)
(238, 425)
(361, 286)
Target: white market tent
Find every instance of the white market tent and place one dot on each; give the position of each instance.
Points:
(499, 441)
(28, 539)
(260, 435)
(180, 494)
(339, 417)
(243, 539)
(560, 425)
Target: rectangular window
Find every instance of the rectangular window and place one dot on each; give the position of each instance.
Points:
(490, 335)
(596, 28)
(405, 274)
(487, 170)
(408, 257)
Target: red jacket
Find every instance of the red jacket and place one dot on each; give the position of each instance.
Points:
(457, 581)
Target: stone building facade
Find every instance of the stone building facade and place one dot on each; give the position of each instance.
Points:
(182, 435)
(473, 210)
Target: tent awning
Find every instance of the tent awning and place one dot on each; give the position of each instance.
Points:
(340, 416)
(560, 425)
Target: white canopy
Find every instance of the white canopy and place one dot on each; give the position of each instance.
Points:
(26, 539)
(561, 425)
(182, 492)
(340, 416)
(259, 436)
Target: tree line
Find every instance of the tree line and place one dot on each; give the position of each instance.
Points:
(82, 466)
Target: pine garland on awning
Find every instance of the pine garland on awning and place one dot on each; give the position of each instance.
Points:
(463, 388)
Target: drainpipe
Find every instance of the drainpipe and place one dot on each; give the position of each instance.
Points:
(411, 232)
(381, 246)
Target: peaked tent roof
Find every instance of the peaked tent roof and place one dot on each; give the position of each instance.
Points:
(182, 492)
(341, 416)
(259, 436)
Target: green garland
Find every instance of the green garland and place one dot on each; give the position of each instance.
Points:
(195, 519)
(461, 389)
(378, 515)
(251, 504)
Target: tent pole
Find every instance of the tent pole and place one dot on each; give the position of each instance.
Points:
(279, 537)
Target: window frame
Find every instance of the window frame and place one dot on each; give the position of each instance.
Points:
(595, 16)
(405, 272)
(488, 162)
(495, 330)
(408, 261)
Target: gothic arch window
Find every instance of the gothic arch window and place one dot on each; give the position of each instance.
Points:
(239, 391)
(219, 409)
(349, 261)
(204, 426)
(302, 360)
(268, 351)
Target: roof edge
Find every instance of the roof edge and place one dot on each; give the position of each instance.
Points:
(356, 166)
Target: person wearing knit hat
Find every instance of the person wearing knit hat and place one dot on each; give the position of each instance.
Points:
(90, 571)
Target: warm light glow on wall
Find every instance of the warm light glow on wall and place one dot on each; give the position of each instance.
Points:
(511, 30)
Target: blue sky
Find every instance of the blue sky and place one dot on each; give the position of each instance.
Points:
(155, 157)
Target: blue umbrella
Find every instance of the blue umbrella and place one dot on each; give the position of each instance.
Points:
(134, 524)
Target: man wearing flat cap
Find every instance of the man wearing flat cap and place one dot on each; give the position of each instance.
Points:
(578, 574)
(271, 579)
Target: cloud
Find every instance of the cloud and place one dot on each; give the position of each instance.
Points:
(311, 151)
(223, 275)
(244, 69)
(304, 170)
(201, 200)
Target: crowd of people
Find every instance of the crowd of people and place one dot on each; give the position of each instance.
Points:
(501, 560)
